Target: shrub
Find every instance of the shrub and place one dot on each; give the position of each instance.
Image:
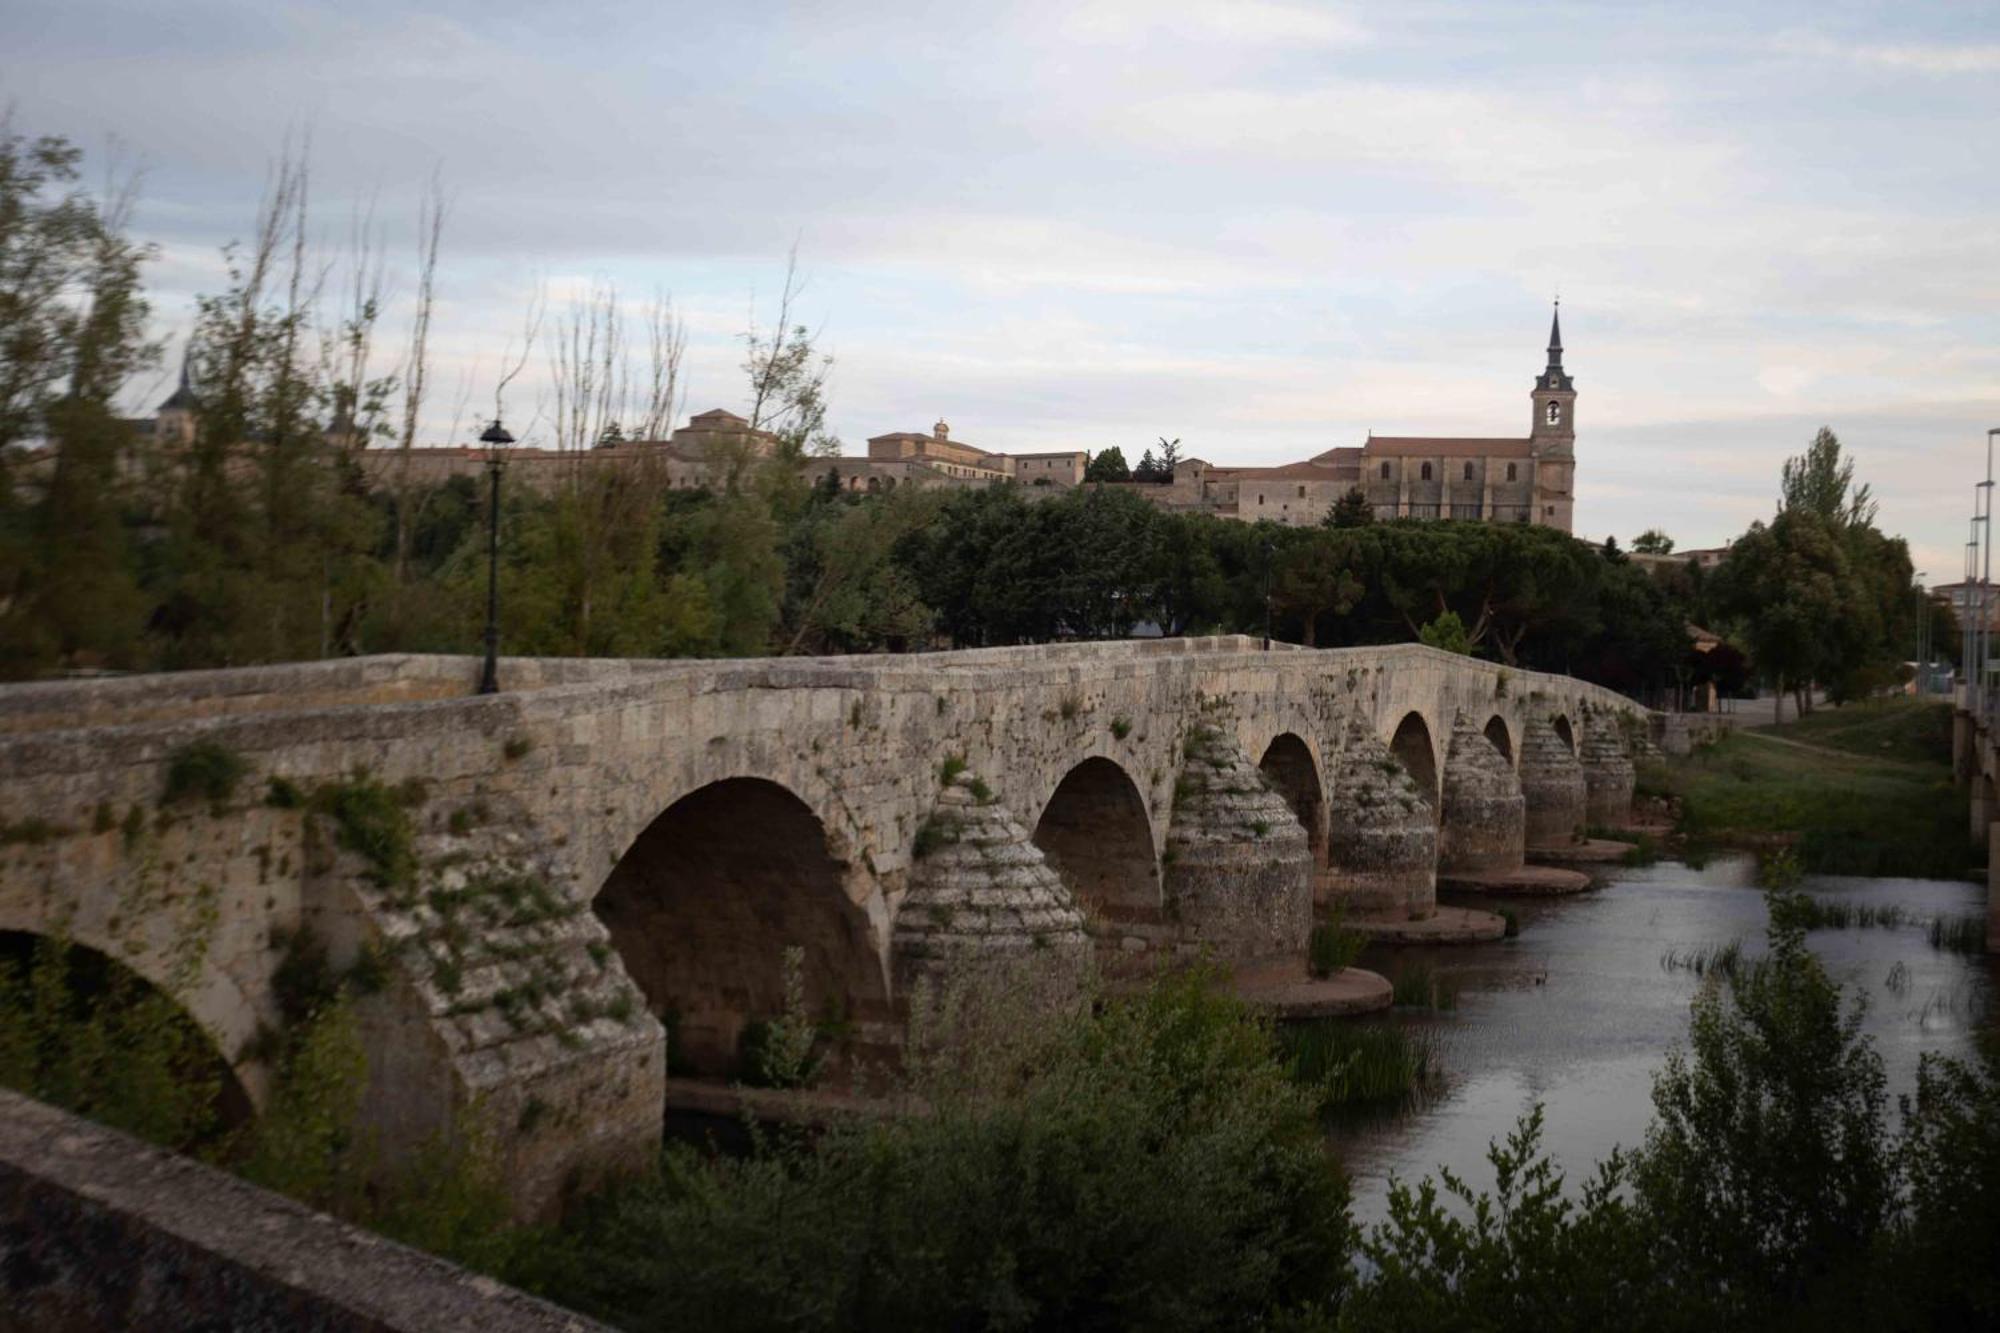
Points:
(1332, 947)
(782, 1051)
(1351, 1063)
(1962, 933)
(372, 821)
(281, 793)
(1121, 727)
(205, 770)
(1157, 1171)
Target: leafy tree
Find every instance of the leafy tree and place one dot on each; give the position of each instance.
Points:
(844, 590)
(72, 323)
(1448, 633)
(1148, 469)
(1351, 510)
(1107, 465)
(1311, 579)
(1767, 1173)
(1170, 457)
(1653, 542)
(1821, 482)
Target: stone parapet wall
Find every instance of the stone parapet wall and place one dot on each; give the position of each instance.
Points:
(101, 1232)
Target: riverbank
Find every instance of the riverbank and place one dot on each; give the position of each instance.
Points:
(1862, 790)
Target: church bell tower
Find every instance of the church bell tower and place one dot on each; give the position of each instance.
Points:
(1554, 430)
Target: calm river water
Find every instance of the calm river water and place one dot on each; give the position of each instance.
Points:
(1578, 1012)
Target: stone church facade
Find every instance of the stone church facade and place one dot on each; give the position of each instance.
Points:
(1524, 479)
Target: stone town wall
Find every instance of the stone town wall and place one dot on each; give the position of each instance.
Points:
(579, 758)
(195, 1248)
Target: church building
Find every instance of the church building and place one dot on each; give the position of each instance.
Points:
(1520, 479)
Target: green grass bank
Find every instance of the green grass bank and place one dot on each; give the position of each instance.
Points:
(1865, 789)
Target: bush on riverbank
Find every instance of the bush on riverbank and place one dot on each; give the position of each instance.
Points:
(1769, 1194)
(1147, 1165)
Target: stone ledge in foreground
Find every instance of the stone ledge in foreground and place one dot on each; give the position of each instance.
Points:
(101, 1231)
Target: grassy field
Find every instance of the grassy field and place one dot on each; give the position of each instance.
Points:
(1899, 728)
(1874, 796)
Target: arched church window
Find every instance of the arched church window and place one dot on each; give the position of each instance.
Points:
(1555, 413)
(1511, 473)
(1468, 472)
(1427, 472)
(1385, 472)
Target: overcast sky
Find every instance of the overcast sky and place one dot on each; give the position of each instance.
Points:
(1264, 228)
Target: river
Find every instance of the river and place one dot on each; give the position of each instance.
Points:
(1578, 1012)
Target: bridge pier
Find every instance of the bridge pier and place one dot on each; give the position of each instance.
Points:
(1382, 835)
(1239, 867)
(1553, 789)
(985, 912)
(1608, 775)
(1482, 823)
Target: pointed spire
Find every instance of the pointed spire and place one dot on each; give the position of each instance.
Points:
(183, 396)
(1556, 335)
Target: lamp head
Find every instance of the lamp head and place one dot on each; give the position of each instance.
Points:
(496, 435)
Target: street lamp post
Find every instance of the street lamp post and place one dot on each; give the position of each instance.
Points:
(1986, 578)
(495, 438)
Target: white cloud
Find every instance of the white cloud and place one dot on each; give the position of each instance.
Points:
(1933, 58)
(1249, 22)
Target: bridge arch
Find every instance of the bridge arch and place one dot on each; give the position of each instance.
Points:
(1288, 765)
(1560, 723)
(1414, 746)
(704, 903)
(1095, 831)
(101, 986)
(1502, 738)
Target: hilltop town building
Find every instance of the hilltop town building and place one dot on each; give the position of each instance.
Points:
(1530, 479)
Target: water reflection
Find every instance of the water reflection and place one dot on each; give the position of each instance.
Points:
(1577, 1012)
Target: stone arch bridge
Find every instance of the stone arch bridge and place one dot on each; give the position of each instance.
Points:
(610, 854)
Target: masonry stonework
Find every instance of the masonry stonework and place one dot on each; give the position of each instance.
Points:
(610, 850)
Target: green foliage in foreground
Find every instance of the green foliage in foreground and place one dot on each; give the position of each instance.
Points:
(82, 1032)
(1854, 815)
(1769, 1193)
(1148, 1165)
